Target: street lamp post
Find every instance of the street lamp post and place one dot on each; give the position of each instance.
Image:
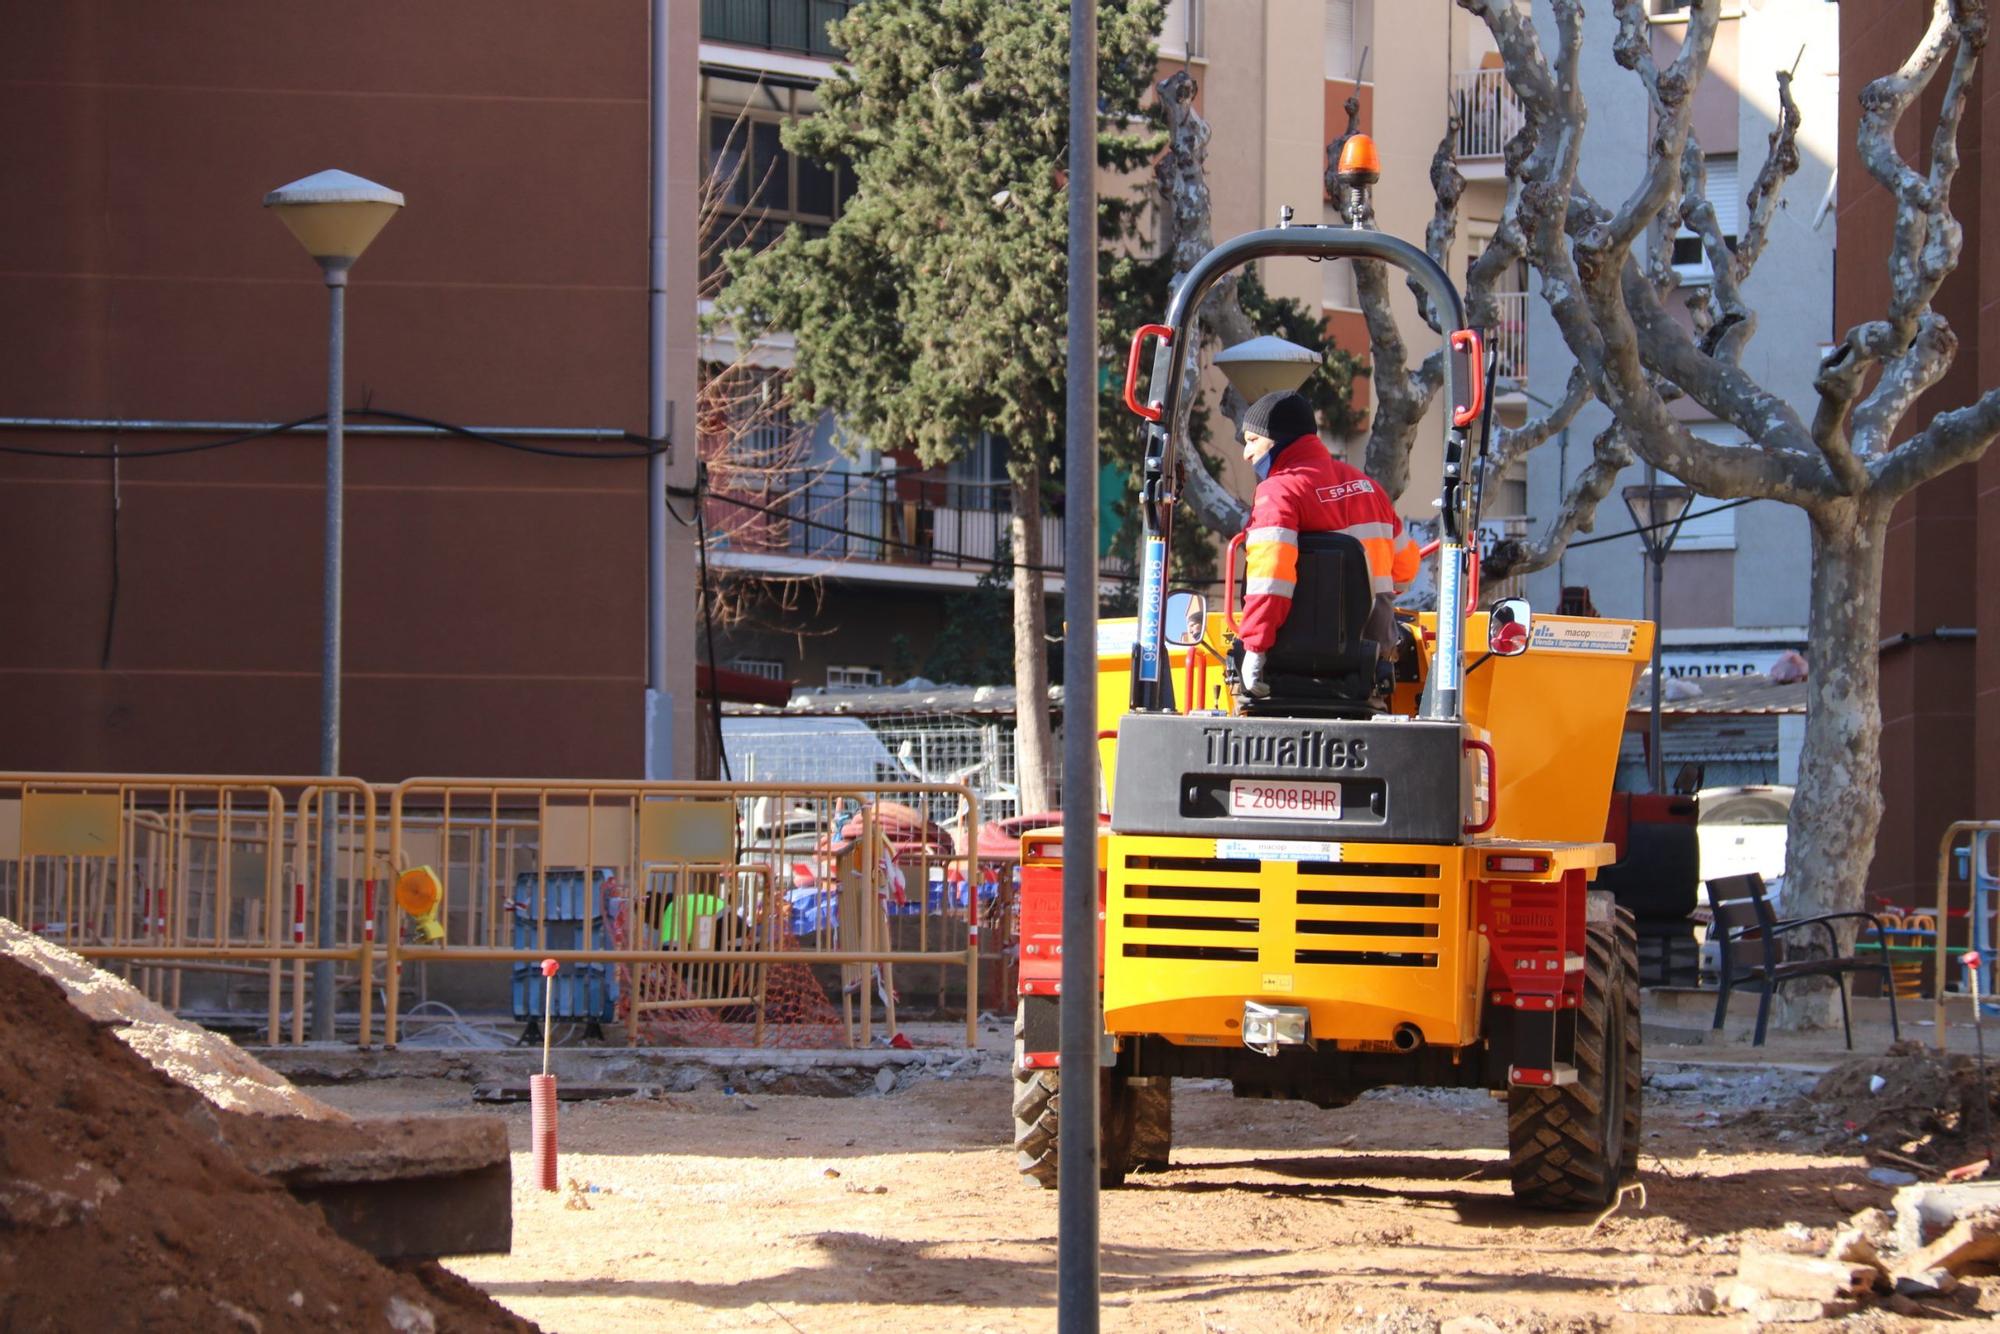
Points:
(334, 215)
(1657, 512)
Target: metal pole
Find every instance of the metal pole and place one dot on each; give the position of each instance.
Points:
(329, 662)
(1081, 1024)
(1658, 556)
(657, 716)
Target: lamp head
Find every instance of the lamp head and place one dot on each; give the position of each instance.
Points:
(1266, 364)
(335, 215)
(1657, 512)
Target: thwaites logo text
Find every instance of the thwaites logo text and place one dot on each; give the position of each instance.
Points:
(1228, 747)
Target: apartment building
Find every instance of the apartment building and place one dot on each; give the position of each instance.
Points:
(1736, 580)
(1941, 585)
(162, 613)
(1274, 78)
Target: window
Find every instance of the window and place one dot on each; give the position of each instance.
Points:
(768, 669)
(762, 187)
(776, 25)
(977, 479)
(1690, 261)
(1669, 8)
(851, 677)
(1348, 26)
(1183, 29)
(1708, 532)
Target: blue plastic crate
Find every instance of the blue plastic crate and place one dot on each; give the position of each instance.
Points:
(583, 991)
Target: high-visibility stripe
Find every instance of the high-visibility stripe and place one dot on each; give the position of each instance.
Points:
(1382, 583)
(1276, 588)
(1366, 532)
(1256, 535)
(1273, 560)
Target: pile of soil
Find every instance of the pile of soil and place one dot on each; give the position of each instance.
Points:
(1917, 1104)
(189, 1054)
(123, 1206)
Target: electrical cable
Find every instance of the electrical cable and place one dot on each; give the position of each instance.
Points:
(640, 447)
(169, 451)
(1664, 523)
(989, 562)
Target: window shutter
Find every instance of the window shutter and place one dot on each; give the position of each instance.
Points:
(1340, 48)
(1725, 192)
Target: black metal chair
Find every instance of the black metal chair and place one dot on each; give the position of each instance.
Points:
(1746, 927)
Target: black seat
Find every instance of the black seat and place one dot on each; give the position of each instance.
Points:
(1320, 664)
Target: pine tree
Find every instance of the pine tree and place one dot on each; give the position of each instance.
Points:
(934, 308)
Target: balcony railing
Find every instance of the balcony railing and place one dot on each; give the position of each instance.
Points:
(887, 520)
(1509, 335)
(1488, 112)
(775, 25)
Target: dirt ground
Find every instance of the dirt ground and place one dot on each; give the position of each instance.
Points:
(721, 1211)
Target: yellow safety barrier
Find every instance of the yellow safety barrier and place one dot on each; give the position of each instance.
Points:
(172, 874)
(1976, 829)
(582, 871)
(699, 893)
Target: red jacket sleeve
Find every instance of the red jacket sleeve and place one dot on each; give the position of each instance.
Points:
(1272, 573)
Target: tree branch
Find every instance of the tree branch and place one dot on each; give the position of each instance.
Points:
(1610, 455)
(1402, 396)
(1951, 438)
(1781, 162)
(1182, 176)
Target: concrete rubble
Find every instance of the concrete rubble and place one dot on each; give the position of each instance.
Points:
(1920, 1249)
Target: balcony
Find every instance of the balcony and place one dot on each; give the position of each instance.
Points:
(1508, 336)
(775, 25)
(851, 525)
(1488, 116)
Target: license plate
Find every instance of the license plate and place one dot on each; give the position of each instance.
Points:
(1284, 801)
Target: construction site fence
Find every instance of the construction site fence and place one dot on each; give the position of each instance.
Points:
(1980, 840)
(672, 897)
(167, 876)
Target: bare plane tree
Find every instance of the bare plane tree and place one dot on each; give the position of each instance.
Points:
(1852, 461)
(1403, 393)
(760, 474)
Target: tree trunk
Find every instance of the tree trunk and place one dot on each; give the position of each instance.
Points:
(1034, 740)
(1838, 806)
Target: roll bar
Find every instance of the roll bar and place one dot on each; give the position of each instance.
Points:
(1464, 392)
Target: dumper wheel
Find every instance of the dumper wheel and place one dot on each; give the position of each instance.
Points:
(1572, 1146)
(1153, 1122)
(1038, 1122)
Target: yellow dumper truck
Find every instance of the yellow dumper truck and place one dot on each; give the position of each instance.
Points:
(1374, 876)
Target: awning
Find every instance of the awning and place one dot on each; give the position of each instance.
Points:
(741, 687)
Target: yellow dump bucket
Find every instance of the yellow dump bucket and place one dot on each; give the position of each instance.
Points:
(1556, 715)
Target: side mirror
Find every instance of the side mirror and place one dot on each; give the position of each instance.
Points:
(1187, 619)
(1507, 628)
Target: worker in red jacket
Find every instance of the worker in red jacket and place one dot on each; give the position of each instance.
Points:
(1301, 488)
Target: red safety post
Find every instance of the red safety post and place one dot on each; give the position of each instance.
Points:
(542, 1090)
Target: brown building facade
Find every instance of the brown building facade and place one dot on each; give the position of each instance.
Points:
(163, 614)
(1940, 691)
